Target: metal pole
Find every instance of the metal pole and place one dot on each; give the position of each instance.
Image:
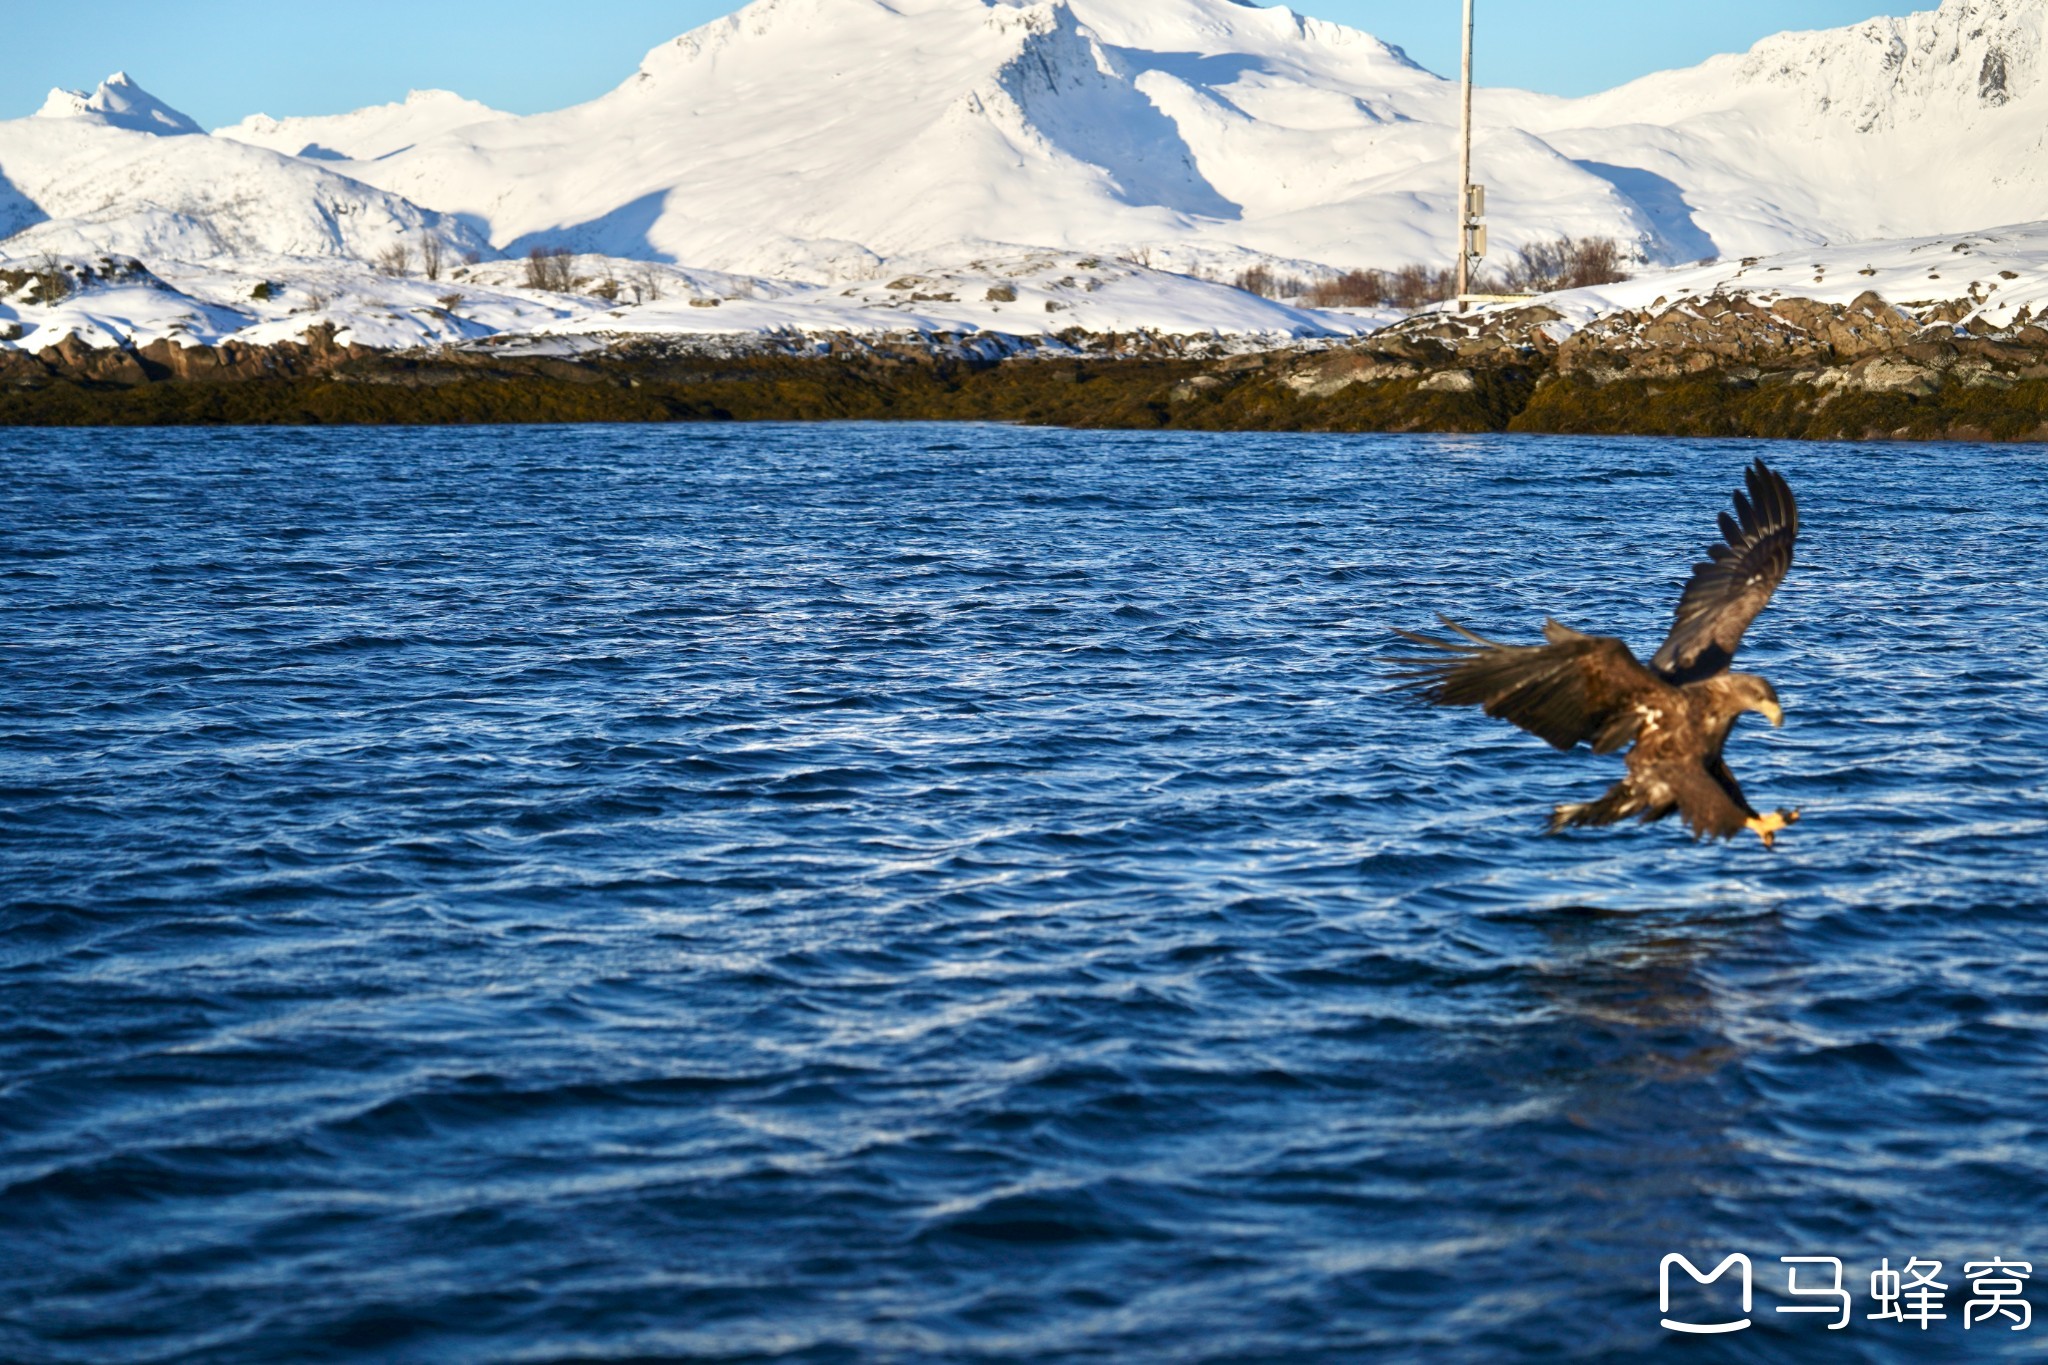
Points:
(1465, 172)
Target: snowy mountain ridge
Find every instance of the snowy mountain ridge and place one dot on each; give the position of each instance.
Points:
(1210, 133)
(119, 171)
(835, 143)
(1961, 58)
(1204, 134)
(119, 103)
(366, 134)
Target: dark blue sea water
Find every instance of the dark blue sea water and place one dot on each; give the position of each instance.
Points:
(945, 894)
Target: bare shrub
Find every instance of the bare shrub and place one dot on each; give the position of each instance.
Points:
(607, 288)
(1352, 289)
(563, 277)
(53, 283)
(1410, 287)
(450, 302)
(551, 268)
(1567, 263)
(646, 283)
(432, 257)
(394, 260)
(472, 258)
(1262, 280)
(1418, 286)
(46, 281)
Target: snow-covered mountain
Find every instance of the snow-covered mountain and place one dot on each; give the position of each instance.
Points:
(366, 134)
(978, 143)
(118, 103)
(1898, 127)
(812, 136)
(118, 171)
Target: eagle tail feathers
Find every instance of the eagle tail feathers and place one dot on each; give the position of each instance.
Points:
(1620, 802)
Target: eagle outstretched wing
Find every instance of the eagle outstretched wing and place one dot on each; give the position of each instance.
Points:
(1735, 582)
(1575, 689)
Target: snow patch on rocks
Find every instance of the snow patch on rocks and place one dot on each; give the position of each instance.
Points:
(1034, 296)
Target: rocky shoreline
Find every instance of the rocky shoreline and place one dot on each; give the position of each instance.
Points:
(1723, 366)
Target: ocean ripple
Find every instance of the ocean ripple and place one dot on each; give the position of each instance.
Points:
(941, 894)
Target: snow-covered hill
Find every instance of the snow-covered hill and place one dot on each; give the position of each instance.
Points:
(812, 136)
(1033, 296)
(1896, 127)
(826, 149)
(366, 134)
(118, 172)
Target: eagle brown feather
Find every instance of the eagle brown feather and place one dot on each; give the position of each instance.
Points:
(1732, 586)
(1673, 715)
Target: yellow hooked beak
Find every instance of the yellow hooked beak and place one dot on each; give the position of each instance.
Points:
(1773, 713)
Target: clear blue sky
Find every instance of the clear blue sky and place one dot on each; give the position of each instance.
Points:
(221, 59)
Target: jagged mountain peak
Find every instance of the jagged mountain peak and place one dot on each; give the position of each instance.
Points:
(1221, 27)
(799, 23)
(120, 103)
(1960, 59)
(1193, 27)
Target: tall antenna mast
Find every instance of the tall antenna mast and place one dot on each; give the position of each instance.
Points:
(1471, 236)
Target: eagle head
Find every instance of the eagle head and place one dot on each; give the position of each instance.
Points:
(1752, 693)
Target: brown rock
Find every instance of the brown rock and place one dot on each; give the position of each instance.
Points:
(1888, 374)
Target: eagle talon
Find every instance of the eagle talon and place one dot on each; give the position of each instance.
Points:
(1768, 826)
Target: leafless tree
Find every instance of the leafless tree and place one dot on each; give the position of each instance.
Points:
(1262, 280)
(1352, 289)
(647, 283)
(432, 256)
(52, 282)
(1567, 263)
(395, 260)
(551, 268)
